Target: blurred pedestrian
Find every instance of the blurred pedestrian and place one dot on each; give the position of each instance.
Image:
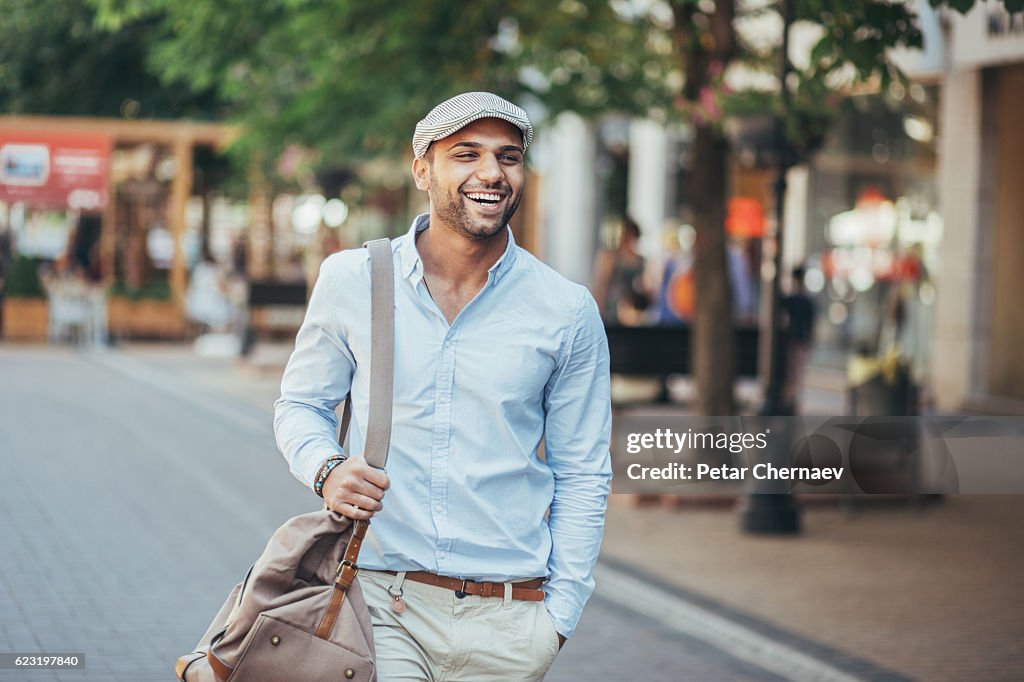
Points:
(294, 270)
(206, 300)
(494, 352)
(619, 288)
(6, 256)
(239, 256)
(799, 316)
(676, 300)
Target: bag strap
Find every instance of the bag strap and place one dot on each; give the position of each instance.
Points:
(382, 352)
(378, 440)
(378, 430)
(382, 357)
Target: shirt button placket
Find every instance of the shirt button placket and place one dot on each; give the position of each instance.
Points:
(441, 440)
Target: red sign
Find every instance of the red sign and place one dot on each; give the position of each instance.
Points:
(745, 218)
(54, 170)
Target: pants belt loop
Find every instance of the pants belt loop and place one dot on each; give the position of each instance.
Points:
(508, 596)
(396, 586)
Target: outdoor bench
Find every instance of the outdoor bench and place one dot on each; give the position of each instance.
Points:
(665, 350)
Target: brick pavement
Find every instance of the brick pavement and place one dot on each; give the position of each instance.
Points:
(120, 549)
(932, 594)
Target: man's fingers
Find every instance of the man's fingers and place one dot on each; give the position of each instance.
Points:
(356, 464)
(363, 502)
(346, 498)
(377, 477)
(355, 489)
(355, 482)
(367, 489)
(351, 511)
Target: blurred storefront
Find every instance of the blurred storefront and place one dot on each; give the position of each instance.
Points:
(979, 320)
(873, 229)
(910, 220)
(914, 219)
(101, 206)
(127, 212)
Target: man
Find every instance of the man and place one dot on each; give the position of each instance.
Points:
(799, 324)
(479, 558)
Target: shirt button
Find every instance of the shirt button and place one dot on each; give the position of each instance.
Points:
(439, 507)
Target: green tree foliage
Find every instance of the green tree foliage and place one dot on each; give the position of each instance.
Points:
(23, 280)
(351, 77)
(55, 59)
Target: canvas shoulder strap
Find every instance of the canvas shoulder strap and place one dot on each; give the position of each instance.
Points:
(382, 351)
(382, 356)
(378, 431)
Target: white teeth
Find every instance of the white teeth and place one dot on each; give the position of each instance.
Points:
(484, 197)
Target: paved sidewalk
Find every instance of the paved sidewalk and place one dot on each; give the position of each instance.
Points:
(934, 594)
(931, 594)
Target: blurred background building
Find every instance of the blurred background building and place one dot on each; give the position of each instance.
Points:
(908, 218)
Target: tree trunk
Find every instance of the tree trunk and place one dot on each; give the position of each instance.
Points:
(713, 336)
(705, 41)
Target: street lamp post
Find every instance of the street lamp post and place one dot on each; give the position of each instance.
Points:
(767, 509)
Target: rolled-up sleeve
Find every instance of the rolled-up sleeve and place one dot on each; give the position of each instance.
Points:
(578, 435)
(317, 378)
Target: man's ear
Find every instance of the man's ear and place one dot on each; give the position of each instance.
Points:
(421, 173)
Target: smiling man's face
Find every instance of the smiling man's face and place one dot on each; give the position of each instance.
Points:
(474, 177)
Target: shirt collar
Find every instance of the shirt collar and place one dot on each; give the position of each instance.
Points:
(412, 264)
(410, 257)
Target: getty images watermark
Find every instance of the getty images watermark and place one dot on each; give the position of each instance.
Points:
(868, 455)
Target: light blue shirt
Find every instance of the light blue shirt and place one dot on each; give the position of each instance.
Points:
(524, 363)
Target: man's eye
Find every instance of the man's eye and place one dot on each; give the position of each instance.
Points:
(513, 159)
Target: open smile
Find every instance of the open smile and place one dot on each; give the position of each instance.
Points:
(486, 198)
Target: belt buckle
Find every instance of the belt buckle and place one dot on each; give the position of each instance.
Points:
(461, 592)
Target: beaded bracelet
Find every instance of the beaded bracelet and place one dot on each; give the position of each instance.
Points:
(325, 470)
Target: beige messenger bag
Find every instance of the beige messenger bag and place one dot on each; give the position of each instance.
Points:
(299, 614)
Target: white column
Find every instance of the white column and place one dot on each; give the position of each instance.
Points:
(570, 198)
(645, 200)
(794, 242)
(955, 341)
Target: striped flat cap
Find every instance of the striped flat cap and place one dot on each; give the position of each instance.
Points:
(456, 113)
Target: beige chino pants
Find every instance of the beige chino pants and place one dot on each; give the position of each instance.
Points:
(439, 637)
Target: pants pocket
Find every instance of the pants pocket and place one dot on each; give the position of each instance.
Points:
(547, 634)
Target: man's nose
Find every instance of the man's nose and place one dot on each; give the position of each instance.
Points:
(489, 170)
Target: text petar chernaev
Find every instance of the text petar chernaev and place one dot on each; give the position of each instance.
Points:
(735, 443)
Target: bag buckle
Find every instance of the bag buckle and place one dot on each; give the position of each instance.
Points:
(343, 564)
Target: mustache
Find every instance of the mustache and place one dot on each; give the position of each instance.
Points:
(496, 187)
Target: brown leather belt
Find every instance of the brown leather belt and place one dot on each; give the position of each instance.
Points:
(528, 590)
